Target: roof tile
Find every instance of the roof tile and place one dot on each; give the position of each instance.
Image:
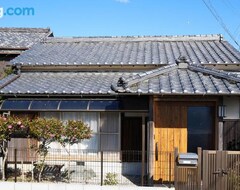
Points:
(21, 38)
(130, 51)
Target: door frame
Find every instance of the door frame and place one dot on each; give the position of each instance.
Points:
(143, 116)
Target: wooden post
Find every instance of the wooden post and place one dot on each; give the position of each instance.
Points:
(143, 150)
(220, 135)
(199, 168)
(205, 169)
(150, 142)
(150, 150)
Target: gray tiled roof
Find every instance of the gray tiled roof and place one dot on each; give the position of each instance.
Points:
(63, 83)
(21, 38)
(172, 80)
(163, 50)
(8, 79)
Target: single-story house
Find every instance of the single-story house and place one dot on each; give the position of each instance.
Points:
(13, 41)
(136, 93)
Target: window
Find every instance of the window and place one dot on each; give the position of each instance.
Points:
(104, 105)
(105, 127)
(110, 131)
(44, 105)
(15, 105)
(200, 128)
(92, 120)
(73, 105)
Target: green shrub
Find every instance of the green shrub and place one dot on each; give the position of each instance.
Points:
(111, 179)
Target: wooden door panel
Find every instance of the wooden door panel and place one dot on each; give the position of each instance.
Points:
(170, 132)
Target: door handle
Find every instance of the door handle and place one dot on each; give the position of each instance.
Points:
(156, 151)
(217, 172)
(224, 172)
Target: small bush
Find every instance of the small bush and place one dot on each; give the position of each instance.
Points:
(10, 172)
(111, 179)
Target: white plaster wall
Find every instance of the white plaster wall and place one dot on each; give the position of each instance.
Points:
(232, 107)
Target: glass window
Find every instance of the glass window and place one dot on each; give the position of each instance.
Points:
(49, 115)
(15, 104)
(44, 105)
(110, 131)
(73, 105)
(104, 105)
(90, 118)
(105, 127)
(110, 122)
(200, 128)
(109, 142)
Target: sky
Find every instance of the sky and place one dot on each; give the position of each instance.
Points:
(126, 17)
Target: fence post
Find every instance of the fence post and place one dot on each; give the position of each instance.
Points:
(22, 171)
(101, 168)
(199, 168)
(175, 168)
(15, 165)
(32, 171)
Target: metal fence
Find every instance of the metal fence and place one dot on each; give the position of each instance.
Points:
(86, 167)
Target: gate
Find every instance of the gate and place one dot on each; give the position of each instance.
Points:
(221, 170)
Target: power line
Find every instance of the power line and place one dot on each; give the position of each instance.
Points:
(220, 21)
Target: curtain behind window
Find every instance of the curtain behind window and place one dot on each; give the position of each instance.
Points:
(105, 129)
(90, 118)
(110, 131)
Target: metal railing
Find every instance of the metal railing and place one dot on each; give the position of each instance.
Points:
(88, 166)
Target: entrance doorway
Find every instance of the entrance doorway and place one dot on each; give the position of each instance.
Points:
(131, 138)
(131, 134)
(185, 125)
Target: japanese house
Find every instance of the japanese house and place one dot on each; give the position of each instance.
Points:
(137, 93)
